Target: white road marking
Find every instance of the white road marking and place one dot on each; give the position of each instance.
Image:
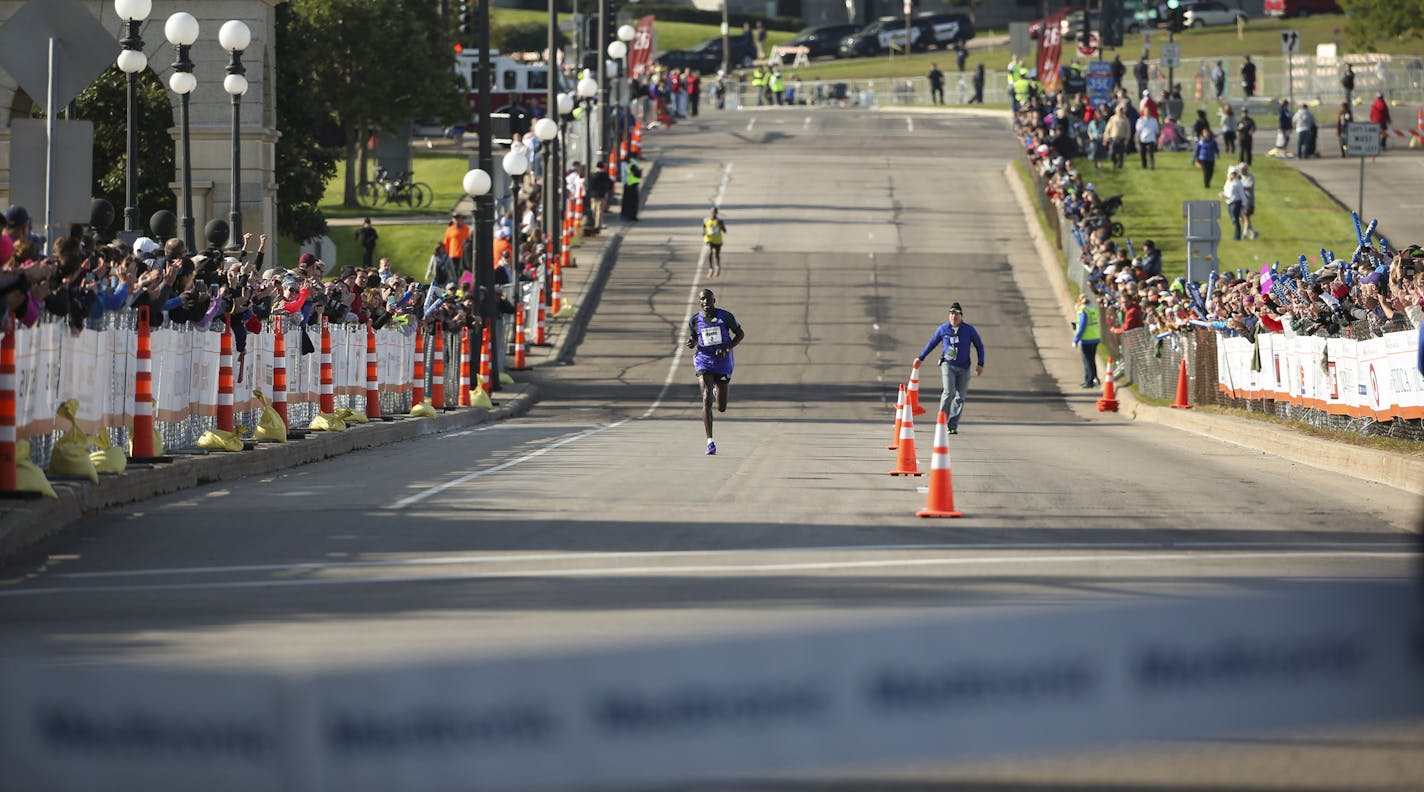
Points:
(751, 123)
(667, 385)
(491, 558)
(691, 302)
(439, 488)
(807, 124)
(724, 569)
(910, 123)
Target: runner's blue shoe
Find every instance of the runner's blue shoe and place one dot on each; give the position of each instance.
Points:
(711, 447)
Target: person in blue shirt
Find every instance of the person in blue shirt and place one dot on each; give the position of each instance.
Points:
(713, 332)
(955, 337)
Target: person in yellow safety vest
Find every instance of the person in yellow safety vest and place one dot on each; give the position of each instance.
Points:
(712, 230)
(1012, 73)
(631, 190)
(777, 86)
(1086, 338)
(759, 84)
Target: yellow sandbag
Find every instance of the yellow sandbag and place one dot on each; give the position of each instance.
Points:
(269, 426)
(327, 422)
(157, 442)
(505, 379)
(478, 398)
(422, 410)
(70, 456)
(350, 416)
(28, 476)
(219, 440)
(106, 458)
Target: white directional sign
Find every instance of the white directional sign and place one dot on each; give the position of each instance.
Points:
(1362, 139)
(1290, 42)
(1172, 54)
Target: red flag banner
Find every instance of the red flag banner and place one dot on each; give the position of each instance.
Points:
(1050, 52)
(640, 54)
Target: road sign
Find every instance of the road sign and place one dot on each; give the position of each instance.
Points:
(1171, 54)
(1098, 82)
(1362, 139)
(1290, 42)
(1089, 47)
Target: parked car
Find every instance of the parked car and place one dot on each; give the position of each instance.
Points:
(926, 30)
(821, 40)
(1213, 13)
(1301, 8)
(873, 39)
(706, 57)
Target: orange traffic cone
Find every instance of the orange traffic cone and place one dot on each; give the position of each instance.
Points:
(1181, 402)
(912, 395)
(905, 462)
(1108, 403)
(899, 407)
(941, 498)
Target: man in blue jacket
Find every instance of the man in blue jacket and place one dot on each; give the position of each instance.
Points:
(955, 338)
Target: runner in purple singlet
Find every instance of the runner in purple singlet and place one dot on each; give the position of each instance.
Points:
(708, 332)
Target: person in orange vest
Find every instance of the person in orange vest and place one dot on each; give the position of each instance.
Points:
(455, 236)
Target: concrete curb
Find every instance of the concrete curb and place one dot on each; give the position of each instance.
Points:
(1400, 471)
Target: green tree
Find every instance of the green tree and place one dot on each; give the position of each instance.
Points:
(378, 66)
(305, 160)
(528, 36)
(105, 103)
(1373, 21)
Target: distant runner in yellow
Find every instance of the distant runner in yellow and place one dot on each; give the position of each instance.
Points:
(712, 230)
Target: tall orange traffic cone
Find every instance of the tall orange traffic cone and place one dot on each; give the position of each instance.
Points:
(905, 462)
(520, 356)
(912, 394)
(1108, 403)
(1181, 402)
(940, 502)
(899, 407)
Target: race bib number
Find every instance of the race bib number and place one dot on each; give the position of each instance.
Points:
(711, 335)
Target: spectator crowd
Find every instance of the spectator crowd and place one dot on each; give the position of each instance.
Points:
(1375, 290)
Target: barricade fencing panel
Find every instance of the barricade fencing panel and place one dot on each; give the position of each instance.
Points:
(97, 366)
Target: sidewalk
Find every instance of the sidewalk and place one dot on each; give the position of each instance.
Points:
(23, 523)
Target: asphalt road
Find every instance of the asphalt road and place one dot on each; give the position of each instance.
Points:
(598, 520)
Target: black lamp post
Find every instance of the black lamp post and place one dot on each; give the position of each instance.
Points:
(132, 62)
(181, 29)
(234, 36)
(587, 91)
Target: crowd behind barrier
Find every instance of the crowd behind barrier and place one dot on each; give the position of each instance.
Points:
(74, 317)
(1355, 318)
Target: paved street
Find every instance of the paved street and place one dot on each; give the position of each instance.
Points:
(596, 519)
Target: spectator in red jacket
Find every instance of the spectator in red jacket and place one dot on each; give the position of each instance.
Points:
(1131, 317)
(1379, 114)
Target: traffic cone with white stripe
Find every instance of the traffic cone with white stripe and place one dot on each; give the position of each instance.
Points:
(437, 369)
(225, 419)
(1181, 402)
(895, 432)
(521, 362)
(912, 394)
(1108, 403)
(279, 370)
(940, 502)
(326, 393)
(373, 377)
(905, 462)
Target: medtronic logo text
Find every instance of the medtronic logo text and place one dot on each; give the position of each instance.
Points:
(695, 707)
(969, 685)
(1244, 661)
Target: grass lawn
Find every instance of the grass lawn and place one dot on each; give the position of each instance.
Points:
(1292, 215)
(442, 170)
(409, 246)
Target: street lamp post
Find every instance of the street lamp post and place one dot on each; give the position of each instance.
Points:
(132, 62)
(618, 51)
(547, 131)
(477, 184)
(626, 34)
(587, 90)
(565, 105)
(516, 164)
(181, 29)
(234, 37)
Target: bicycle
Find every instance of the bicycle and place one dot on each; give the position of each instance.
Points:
(401, 190)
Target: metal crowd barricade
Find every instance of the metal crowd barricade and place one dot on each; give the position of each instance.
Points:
(97, 366)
